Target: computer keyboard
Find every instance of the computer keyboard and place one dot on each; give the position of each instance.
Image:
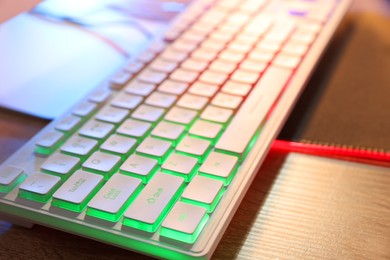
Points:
(157, 159)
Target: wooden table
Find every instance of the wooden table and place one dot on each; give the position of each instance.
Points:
(298, 207)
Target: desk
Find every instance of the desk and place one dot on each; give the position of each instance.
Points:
(298, 206)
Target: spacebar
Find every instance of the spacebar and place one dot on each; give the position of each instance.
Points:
(252, 113)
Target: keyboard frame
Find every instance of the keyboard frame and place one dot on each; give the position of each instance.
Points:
(207, 242)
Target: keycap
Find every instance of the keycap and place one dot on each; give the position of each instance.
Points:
(262, 56)
(161, 65)
(75, 193)
(281, 30)
(100, 95)
(102, 163)
(204, 191)
(112, 114)
(49, 141)
(222, 66)
(206, 55)
(226, 101)
(180, 115)
(253, 66)
(231, 56)
(212, 77)
(111, 200)
(194, 65)
(152, 77)
(286, 61)
(173, 55)
(140, 166)
(173, 87)
(146, 56)
(119, 144)
(205, 129)
(134, 128)
(155, 148)
(180, 164)
(69, 123)
(184, 46)
(39, 187)
(203, 89)
(148, 113)
(294, 49)
(96, 129)
(194, 146)
(134, 67)
(160, 99)
(268, 46)
(236, 88)
(192, 102)
(147, 210)
(126, 101)
(79, 146)
(119, 79)
(60, 164)
(184, 222)
(139, 88)
(10, 177)
(183, 75)
(220, 166)
(245, 77)
(171, 132)
(255, 106)
(216, 114)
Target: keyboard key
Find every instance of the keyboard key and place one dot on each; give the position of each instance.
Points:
(146, 56)
(79, 146)
(171, 132)
(180, 115)
(194, 146)
(206, 55)
(161, 65)
(134, 128)
(212, 77)
(112, 114)
(75, 193)
(184, 46)
(203, 89)
(102, 163)
(286, 61)
(148, 113)
(236, 88)
(294, 49)
(49, 142)
(173, 87)
(180, 164)
(152, 77)
(221, 66)
(192, 102)
(160, 99)
(220, 166)
(154, 148)
(261, 56)
(139, 88)
(216, 114)
(39, 187)
(118, 144)
(120, 79)
(10, 177)
(96, 129)
(173, 55)
(205, 129)
(126, 101)
(68, 123)
(194, 65)
(134, 67)
(256, 106)
(184, 222)
(183, 75)
(231, 56)
(60, 164)
(268, 47)
(253, 66)
(99, 96)
(203, 191)
(281, 30)
(226, 101)
(245, 77)
(113, 198)
(140, 167)
(147, 210)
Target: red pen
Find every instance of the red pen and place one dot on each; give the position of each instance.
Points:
(326, 150)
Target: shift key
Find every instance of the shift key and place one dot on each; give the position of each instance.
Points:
(147, 211)
(75, 193)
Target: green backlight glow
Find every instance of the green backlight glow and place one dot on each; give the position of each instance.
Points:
(11, 186)
(185, 237)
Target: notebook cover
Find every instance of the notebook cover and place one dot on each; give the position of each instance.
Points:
(347, 101)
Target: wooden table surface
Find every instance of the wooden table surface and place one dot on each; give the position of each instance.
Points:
(298, 207)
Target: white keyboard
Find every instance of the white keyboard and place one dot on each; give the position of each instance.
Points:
(158, 159)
